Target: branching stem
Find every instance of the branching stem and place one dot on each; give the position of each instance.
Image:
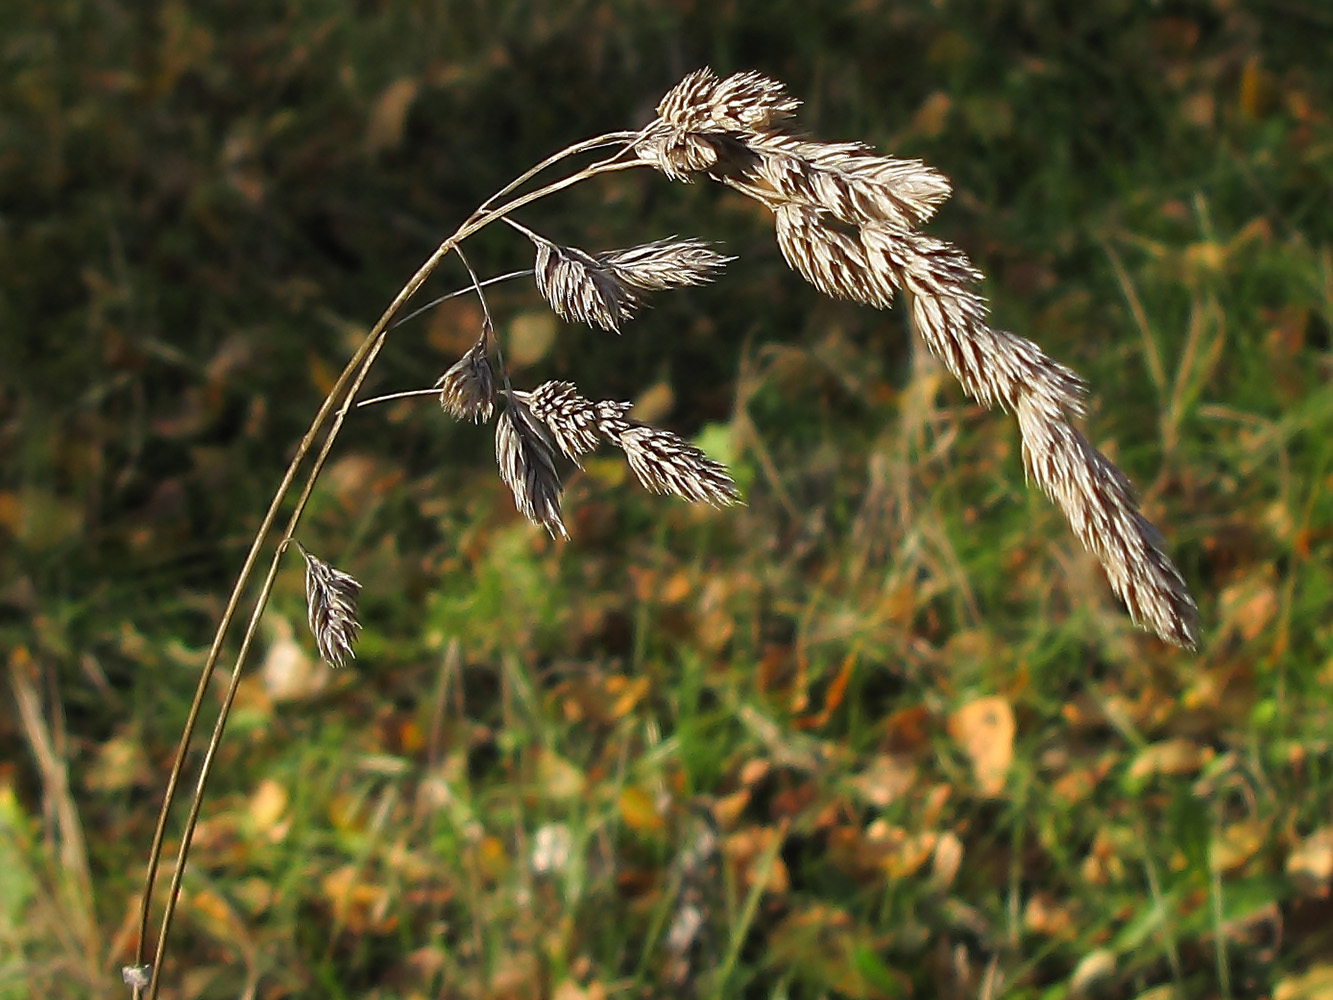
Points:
(339, 398)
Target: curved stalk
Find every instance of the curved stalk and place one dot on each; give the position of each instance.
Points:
(345, 388)
(600, 142)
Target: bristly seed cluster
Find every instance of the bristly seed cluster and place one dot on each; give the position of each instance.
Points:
(606, 289)
(330, 596)
(553, 416)
(525, 452)
(846, 220)
(467, 390)
(603, 289)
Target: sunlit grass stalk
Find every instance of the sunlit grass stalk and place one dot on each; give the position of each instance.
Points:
(847, 220)
(340, 398)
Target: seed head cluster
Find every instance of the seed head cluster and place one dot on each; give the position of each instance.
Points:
(846, 220)
(606, 289)
(330, 596)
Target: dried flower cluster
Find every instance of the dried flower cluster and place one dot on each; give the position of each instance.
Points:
(846, 220)
(330, 596)
(605, 289)
(553, 416)
(467, 390)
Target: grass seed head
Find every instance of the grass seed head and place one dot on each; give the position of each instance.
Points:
(525, 452)
(330, 596)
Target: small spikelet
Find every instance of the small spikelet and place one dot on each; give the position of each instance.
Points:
(330, 596)
(680, 156)
(742, 102)
(525, 453)
(604, 290)
(833, 261)
(467, 390)
(663, 264)
(611, 419)
(666, 463)
(571, 419)
(579, 288)
(994, 366)
(848, 180)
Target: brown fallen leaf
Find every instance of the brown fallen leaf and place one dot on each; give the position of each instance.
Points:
(985, 729)
(1310, 865)
(1173, 757)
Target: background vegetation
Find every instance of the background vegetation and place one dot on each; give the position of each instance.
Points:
(883, 730)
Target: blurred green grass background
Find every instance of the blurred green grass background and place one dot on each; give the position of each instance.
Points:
(883, 732)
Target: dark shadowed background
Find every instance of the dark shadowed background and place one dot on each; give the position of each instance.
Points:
(883, 731)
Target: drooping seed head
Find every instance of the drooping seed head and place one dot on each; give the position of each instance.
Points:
(467, 389)
(525, 453)
(330, 596)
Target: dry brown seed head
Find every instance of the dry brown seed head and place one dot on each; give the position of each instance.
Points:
(525, 453)
(330, 596)
(666, 463)
(571, 419)
(467, 389)
(664, 264)
(741, 102)
(579, 288)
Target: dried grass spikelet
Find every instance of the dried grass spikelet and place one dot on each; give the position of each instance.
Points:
(579, 289)
(665, 462)
(848, 180)
(467, 389)
(703, 121)
(1099, 503)
(995, 367)
(829, 258)
(605, 290)
(525, 453)
(571, 419)
(664, 264)
(741, 102)
(330, 596)
(662, 461)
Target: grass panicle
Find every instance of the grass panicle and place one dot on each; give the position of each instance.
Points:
(846, 219)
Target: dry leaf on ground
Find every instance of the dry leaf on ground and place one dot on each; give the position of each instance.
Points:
(985, 730)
